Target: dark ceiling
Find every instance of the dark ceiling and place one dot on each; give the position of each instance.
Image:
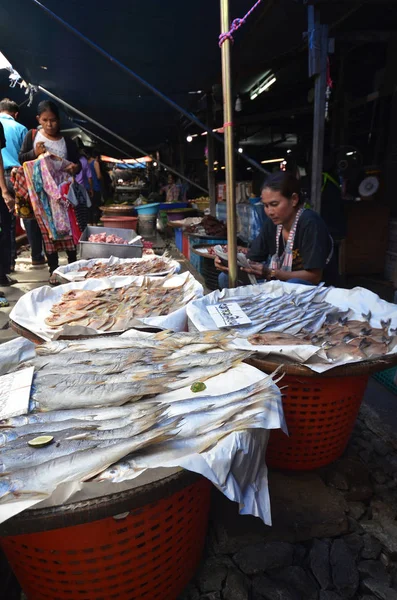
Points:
(173, 45)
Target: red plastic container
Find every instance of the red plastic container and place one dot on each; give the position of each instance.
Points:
(149, 554)
(320, 414)
(120, 222)
(185, 246)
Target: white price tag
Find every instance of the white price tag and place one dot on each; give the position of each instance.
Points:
(15, 393)
(228, 314)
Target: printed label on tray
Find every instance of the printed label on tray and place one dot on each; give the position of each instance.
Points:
(15, 393)
(228, 314)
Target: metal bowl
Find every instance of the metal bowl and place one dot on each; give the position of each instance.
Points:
(119, 210)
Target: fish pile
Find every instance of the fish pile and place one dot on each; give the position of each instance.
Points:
(289, 313)
(349, 339)
(115, 309)
(89, 399)
(115, 371)
(103, 238)
(157, 264)
(289, 321)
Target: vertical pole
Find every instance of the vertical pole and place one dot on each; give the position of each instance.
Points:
(318, 52)
(211, 157)
(229, 149)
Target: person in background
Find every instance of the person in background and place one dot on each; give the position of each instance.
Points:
(96, 198)
(7, 204)
(50, 139)
(15, 134)
(84, 178)
(294, 244)
(171, 190)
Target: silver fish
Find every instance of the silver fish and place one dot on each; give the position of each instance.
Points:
(190, 405)
(98, 395)
(213, 358)
(169, 453)
(124, 432)
(83, 379)
(95, 344)
(101, 414)
(27, 457)
(8, 435)
(191, 349)
(181, 339)
(313, 293)
(80, 466)
(200, 374)
(97, 359)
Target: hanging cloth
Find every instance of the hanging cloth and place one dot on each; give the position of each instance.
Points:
(50, 244)
(59, 209)
(79, 198)
(23, 205)
(284, 262)
(76, 231)
(43, 200)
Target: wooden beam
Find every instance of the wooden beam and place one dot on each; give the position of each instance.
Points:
(318, 68)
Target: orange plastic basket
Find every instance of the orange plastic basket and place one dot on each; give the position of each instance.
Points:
(320, 414)
(150, 554)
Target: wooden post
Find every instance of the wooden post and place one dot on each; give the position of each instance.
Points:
(211, 157)
(318, 52)
(229, 148)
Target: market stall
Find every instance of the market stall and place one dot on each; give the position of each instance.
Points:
(328, 342)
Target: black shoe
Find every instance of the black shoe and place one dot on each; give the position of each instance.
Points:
(7, 281)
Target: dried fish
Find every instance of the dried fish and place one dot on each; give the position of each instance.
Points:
(79, 466)
(154, 265)
(116, 309)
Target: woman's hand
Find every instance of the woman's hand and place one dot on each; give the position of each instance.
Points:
(40, 149)
(72, 169)
(220, 266)
(257, 269)
(9, 200)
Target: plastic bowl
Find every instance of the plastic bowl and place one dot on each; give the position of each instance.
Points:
(148, 209)
(120, 222)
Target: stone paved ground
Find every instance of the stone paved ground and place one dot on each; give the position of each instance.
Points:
(28, 278)
(334, 535)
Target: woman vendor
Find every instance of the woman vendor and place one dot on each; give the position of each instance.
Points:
(294, 244)
(50, 139)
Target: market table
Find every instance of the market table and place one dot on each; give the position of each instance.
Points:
(142, 543)
(320, 410)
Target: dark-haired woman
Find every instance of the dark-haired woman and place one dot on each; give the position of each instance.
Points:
(294, 244)
(50, 139)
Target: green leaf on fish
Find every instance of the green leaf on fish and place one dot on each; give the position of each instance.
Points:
(198, 386)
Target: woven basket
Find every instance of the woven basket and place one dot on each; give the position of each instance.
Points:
(145, 545)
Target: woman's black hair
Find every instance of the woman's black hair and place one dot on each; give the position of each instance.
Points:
(285, 183)
(48, 106)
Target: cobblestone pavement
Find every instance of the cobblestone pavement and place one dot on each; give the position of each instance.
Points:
(352, 555)
(28, 278)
